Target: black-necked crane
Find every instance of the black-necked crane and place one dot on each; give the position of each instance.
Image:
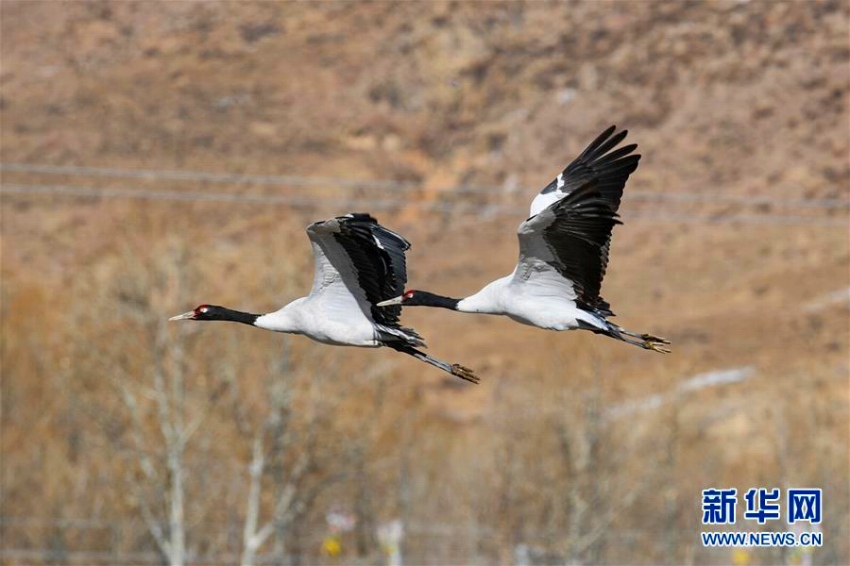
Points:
(563, 251)
(358, 263)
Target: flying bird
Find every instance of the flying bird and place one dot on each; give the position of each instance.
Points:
(358, 263)
(563, 251)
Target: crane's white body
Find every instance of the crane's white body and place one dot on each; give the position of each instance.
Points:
(535, 293)
(334, 312)
(323, 320)
(537, 304)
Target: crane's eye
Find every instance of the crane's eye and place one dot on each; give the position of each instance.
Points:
(408, 295)
(203, 309)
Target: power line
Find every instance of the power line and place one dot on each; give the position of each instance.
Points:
(481, 211)
(398, 186)
(234, 178)
(741, 199)
(764, 219)
(198, 196)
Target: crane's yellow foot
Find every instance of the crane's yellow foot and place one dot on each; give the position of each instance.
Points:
(465, 373)
(651, 338)
(655, 343)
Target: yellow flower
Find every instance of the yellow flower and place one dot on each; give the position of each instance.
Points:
(331, 546)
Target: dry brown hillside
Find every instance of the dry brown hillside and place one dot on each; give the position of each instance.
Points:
(156, 156)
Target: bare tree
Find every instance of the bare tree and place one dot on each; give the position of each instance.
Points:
(594, 458)
(167, 393)
(152, 414)
(291, 496)
(364, 492)
(285, 450)
(162, 383)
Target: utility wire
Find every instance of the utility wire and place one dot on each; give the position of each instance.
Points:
(233, 178)
(481, 211)
(335, 182)
(741, 199)
(198, 196)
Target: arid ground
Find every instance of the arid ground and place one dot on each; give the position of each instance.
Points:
(156, 156)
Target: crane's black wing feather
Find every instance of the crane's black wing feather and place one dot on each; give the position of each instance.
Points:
(611, 170)
(377, 255)
(579, 237)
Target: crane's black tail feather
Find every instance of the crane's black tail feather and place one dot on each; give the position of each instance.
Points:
(389, 335)
(455, 369)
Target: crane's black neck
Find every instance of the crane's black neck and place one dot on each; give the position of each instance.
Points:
(221, 313)
(426, 299)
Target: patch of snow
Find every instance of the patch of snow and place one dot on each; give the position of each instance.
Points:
(695, 383)
(713, 378)
(567, 95)
(828, 300)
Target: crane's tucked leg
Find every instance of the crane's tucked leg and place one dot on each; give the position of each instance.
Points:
(645, 341)
(454, 369)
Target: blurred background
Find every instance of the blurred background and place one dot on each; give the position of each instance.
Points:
(156, 156)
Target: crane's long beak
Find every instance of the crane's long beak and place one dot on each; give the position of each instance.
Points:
(185, 316)
(390, 302)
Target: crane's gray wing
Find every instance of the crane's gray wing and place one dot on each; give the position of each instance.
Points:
(570, 238)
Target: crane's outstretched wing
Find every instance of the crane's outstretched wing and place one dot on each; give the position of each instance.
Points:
(611, 170)
(357, 259)
(368, 259)
(565, 246)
